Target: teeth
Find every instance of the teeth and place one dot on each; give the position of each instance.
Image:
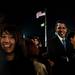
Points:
(6, 45)
(62, 33)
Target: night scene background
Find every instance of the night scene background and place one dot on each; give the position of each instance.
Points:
(23, 15)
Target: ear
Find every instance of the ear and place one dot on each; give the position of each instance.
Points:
(71, 39)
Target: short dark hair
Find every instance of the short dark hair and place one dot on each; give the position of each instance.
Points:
(60, 21)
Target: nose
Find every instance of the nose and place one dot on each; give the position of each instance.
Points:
(61, 30)
(6, 40)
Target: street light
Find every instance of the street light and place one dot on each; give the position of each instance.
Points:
(40, 14)
(42, 25)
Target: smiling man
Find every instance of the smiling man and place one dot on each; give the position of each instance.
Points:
(58, 48)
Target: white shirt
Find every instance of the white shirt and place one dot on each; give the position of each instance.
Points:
(60, 38)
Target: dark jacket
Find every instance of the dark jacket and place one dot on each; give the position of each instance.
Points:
(56, 50)
(19, 66)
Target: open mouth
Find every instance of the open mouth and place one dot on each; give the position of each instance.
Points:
(6, 45)
(61, 33)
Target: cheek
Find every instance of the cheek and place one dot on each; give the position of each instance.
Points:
(13, 41)
(1, 41)
(65, 30)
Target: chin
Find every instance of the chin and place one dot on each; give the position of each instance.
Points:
(62, 36)
(9, 52)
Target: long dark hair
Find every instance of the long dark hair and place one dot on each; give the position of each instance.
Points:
(16, 35)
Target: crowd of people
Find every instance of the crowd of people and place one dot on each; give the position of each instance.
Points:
(27, 56)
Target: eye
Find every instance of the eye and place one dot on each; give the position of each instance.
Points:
(59, 27)
(3, 36)
(64, 28)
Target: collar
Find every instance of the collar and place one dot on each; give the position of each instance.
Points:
(59, 36)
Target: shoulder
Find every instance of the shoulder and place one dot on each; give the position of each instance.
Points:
(53, 39)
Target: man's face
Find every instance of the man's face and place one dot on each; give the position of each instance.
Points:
(7, 42)
(61, 29)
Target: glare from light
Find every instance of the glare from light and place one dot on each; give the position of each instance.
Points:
(42, 25)
(24, 36)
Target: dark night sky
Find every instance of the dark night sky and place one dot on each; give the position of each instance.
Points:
(24, 15)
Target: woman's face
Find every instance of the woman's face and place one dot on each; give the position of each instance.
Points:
(7, 42)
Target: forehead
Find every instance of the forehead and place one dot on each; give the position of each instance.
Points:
(61, 25)
(6, 33)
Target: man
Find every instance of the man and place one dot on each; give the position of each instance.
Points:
(58, 52)
(15, 62)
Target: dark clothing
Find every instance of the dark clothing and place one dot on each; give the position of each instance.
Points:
(58, 54)
(19, 66)
(2, 64)
(72, 61)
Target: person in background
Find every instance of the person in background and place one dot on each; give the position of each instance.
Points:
(34, 49)
(71, 38)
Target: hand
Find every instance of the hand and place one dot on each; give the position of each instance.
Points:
(51, 62)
